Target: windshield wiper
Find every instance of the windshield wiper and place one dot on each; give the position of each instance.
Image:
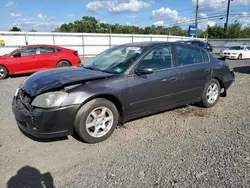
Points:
(92, 68)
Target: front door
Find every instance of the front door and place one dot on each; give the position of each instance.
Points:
(151, 91)
(26, 59)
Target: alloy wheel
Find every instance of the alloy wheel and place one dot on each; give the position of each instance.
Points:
(99, 122)
(212, 93)
(2, 72)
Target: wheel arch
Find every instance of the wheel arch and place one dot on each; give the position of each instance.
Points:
(112, 99)
(63, 60)
(6, 68)
(222, 85)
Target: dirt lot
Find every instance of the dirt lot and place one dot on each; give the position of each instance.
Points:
(186, 147)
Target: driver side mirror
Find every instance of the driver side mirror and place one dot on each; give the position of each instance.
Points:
(18, 54)
(143, 71)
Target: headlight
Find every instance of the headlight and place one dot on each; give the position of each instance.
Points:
(49, 100)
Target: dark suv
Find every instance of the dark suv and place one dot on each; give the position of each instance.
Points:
(201, 44)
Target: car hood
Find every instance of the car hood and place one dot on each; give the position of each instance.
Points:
(43, 81)
(232, 51)
(4, 57)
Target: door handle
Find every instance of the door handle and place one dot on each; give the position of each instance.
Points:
(173, 79)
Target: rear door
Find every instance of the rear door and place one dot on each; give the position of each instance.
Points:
(195, 70)
(48, 57)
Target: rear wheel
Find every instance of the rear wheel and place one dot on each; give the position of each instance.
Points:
(96, 120)
(3, 72)
(63, 64)
(240, 57)
(211, 94)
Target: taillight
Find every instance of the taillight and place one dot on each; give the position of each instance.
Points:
(76, 53)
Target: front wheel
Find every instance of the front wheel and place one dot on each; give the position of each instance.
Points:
(96, 120)
(211, 94)
(3, 72)
(240, 57)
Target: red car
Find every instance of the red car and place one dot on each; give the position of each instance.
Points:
(32, 58)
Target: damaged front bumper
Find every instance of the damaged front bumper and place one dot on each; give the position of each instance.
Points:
(43, 123)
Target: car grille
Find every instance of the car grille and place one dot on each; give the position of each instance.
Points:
(227, 53)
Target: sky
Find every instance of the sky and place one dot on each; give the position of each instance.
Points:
(46, 15)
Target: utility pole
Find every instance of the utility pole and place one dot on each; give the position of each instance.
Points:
(228, 12)
(196, 16)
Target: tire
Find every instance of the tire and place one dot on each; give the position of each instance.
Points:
(240, 57)
(63, 63)
(211, 100)
(93, 132)
(3, 72)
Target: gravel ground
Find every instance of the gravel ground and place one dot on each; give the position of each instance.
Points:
(185, 147)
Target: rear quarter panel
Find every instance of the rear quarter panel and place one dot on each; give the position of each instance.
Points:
(69, 56)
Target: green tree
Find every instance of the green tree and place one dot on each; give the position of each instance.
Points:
(15, 29)
(32, 30)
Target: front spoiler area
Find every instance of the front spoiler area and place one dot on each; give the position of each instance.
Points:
(44, 123)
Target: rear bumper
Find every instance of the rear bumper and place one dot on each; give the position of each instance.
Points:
(43, 123)
(229, 79)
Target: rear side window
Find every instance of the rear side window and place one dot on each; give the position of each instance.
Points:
(46, 50)
(58, 50)
(205, 56)
(188, 56)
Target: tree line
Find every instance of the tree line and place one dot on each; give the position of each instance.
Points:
(91, 25)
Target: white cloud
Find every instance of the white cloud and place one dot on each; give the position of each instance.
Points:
(27, 24)
(10, 3)
(127, 6)
(15, 14)
(71, 15)
(95, 6)
(203, 15)
(211, 23)
(167, 14)
(131, 24)
(5, 27)
(131, 17)
(41, 16)
(117, 6)
(159, 23)
(205, 5)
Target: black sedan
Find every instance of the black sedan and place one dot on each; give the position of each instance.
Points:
(122, 83)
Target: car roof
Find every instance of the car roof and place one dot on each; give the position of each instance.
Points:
(43, 45)
(146, 44)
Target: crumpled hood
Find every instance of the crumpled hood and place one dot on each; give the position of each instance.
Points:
(56, 78)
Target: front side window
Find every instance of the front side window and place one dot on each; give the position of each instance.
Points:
(116, 60)
(188, 56)
(28, 51)
(46, 50)
(159, 58)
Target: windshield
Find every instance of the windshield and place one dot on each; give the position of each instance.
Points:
(115, 60)
(236, 48)
(11, 52)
